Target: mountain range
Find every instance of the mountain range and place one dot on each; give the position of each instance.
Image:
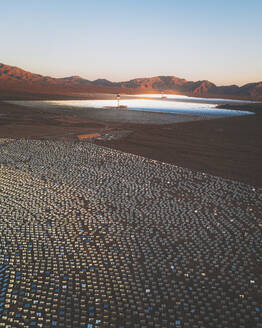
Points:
(14, 80)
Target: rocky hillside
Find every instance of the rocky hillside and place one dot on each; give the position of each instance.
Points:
(15, 79)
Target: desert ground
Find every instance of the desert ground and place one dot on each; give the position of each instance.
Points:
(226, 147)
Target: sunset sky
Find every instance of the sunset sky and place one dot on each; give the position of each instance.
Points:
(218, 40)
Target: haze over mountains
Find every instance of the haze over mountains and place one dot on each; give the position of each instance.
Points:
(15, 81)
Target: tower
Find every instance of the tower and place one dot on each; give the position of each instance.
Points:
(118, 100)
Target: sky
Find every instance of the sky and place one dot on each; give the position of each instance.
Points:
(215, 40)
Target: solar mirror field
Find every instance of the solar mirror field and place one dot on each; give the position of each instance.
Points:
(94, 237)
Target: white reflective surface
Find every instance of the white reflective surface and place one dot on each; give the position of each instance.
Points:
(157, 105)
(187, 98)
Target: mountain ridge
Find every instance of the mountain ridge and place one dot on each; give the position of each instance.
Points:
(14, 78)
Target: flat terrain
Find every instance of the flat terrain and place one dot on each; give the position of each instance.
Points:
(92, 237)
(231, 147)
(228, 147)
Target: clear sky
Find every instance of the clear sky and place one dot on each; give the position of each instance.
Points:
(217, 40)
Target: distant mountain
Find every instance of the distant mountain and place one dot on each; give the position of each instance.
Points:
(17, 76)
(15, 79)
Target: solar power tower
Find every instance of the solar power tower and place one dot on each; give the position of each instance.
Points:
(118, 100)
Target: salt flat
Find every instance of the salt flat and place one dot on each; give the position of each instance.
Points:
(93, 237)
